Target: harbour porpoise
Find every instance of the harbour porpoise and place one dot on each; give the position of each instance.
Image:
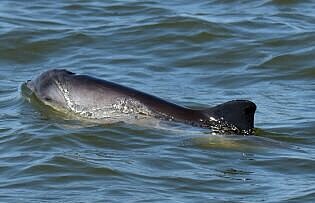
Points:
(96, 99)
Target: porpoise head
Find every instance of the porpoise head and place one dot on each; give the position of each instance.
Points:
(46, 87)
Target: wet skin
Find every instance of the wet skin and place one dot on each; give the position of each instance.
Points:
(94, 98)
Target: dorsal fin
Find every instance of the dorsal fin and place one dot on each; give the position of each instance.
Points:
(239, 113)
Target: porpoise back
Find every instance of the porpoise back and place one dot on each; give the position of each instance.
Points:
(101, 99)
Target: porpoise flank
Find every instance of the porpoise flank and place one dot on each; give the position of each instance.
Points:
(101, 100)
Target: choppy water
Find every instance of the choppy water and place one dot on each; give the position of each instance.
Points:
(192, 53)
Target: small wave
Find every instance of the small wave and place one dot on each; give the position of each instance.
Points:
(295, 65)
(302, 195)
(284, 2)
(26, 46)
(64, 164)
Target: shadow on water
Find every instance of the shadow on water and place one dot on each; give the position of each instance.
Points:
(282, 137)
(252, 143)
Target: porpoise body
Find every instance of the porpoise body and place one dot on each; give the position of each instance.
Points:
(101, 100)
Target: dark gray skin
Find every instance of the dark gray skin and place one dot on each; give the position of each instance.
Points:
(92, 97)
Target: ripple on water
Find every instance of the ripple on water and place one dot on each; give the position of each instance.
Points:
(32, 46)
(195, 53)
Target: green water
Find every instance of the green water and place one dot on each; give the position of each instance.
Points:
(196, 54)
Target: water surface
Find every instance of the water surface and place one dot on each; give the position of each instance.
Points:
(197, 54)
